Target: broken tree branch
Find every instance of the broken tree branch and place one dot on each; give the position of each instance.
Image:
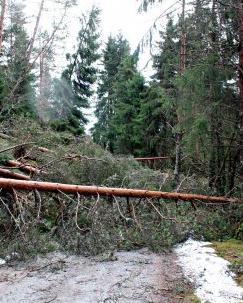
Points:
(109, 191)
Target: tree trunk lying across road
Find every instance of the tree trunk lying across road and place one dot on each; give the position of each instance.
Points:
(108, 191)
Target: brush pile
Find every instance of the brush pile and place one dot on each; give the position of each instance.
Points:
(35, 222)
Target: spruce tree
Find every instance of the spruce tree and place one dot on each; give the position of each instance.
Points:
(78, 78)
(23, 99)
(153, 130)
(205, 93)
(128, 92)
(116, 50)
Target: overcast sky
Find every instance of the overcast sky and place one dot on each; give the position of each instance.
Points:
(117, 16)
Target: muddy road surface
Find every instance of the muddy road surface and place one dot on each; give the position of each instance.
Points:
(127, 277)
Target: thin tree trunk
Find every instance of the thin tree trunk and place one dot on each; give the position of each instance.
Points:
(32, 40)
(109, 191)
(3, 10)
(232, 172)
(179, 135)
(43, 49)
(241, 89)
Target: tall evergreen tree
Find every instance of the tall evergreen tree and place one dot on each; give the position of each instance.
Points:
(128, 92)
(77, 80)
(209, 131)
(163, 108)
(153, 130)
(16, 41)
(116, 50)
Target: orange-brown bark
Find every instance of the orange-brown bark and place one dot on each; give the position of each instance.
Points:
(9, 174)
(109, 191)
(44, 149)
(23, 167)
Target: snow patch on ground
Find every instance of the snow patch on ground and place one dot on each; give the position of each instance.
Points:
(210, 273)
(2, 262)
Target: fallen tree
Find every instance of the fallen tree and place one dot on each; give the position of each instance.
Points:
(152, 158)
(24, 167)
(109, 191)
(9, 174)
(4, 136)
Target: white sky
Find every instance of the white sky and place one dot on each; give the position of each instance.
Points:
(118, 16)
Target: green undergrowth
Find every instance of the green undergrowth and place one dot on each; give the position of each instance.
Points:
(191, 298)
(33, 222)
(232, 250)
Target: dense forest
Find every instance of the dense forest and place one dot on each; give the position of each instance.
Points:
(189, 111)
(107, 158)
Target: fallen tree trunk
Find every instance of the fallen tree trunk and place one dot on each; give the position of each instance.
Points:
(44, 149)
(9, 174)
(23, 167)
(152, 158)
(4, 136)
(108, 191)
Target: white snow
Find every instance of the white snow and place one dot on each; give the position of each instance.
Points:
(209, 273)
(2, 262)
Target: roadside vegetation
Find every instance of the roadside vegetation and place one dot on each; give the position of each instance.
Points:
(232, 250)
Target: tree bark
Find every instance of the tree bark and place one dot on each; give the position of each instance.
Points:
(240, 8)
(23, 167)
(3, 10)
(42, 50)
(8, 174)
(109, 191)
(32, 40)
(151, 158)
(182, 67)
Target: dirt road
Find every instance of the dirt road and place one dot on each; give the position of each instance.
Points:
(134, 277)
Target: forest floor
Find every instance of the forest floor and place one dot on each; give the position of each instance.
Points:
(135, 277)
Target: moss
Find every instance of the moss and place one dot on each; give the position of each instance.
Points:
(191, 298)
(232, 250)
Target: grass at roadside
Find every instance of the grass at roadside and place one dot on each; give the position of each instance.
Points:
(232, 250)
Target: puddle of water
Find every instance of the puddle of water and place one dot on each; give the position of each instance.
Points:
(209, 273)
